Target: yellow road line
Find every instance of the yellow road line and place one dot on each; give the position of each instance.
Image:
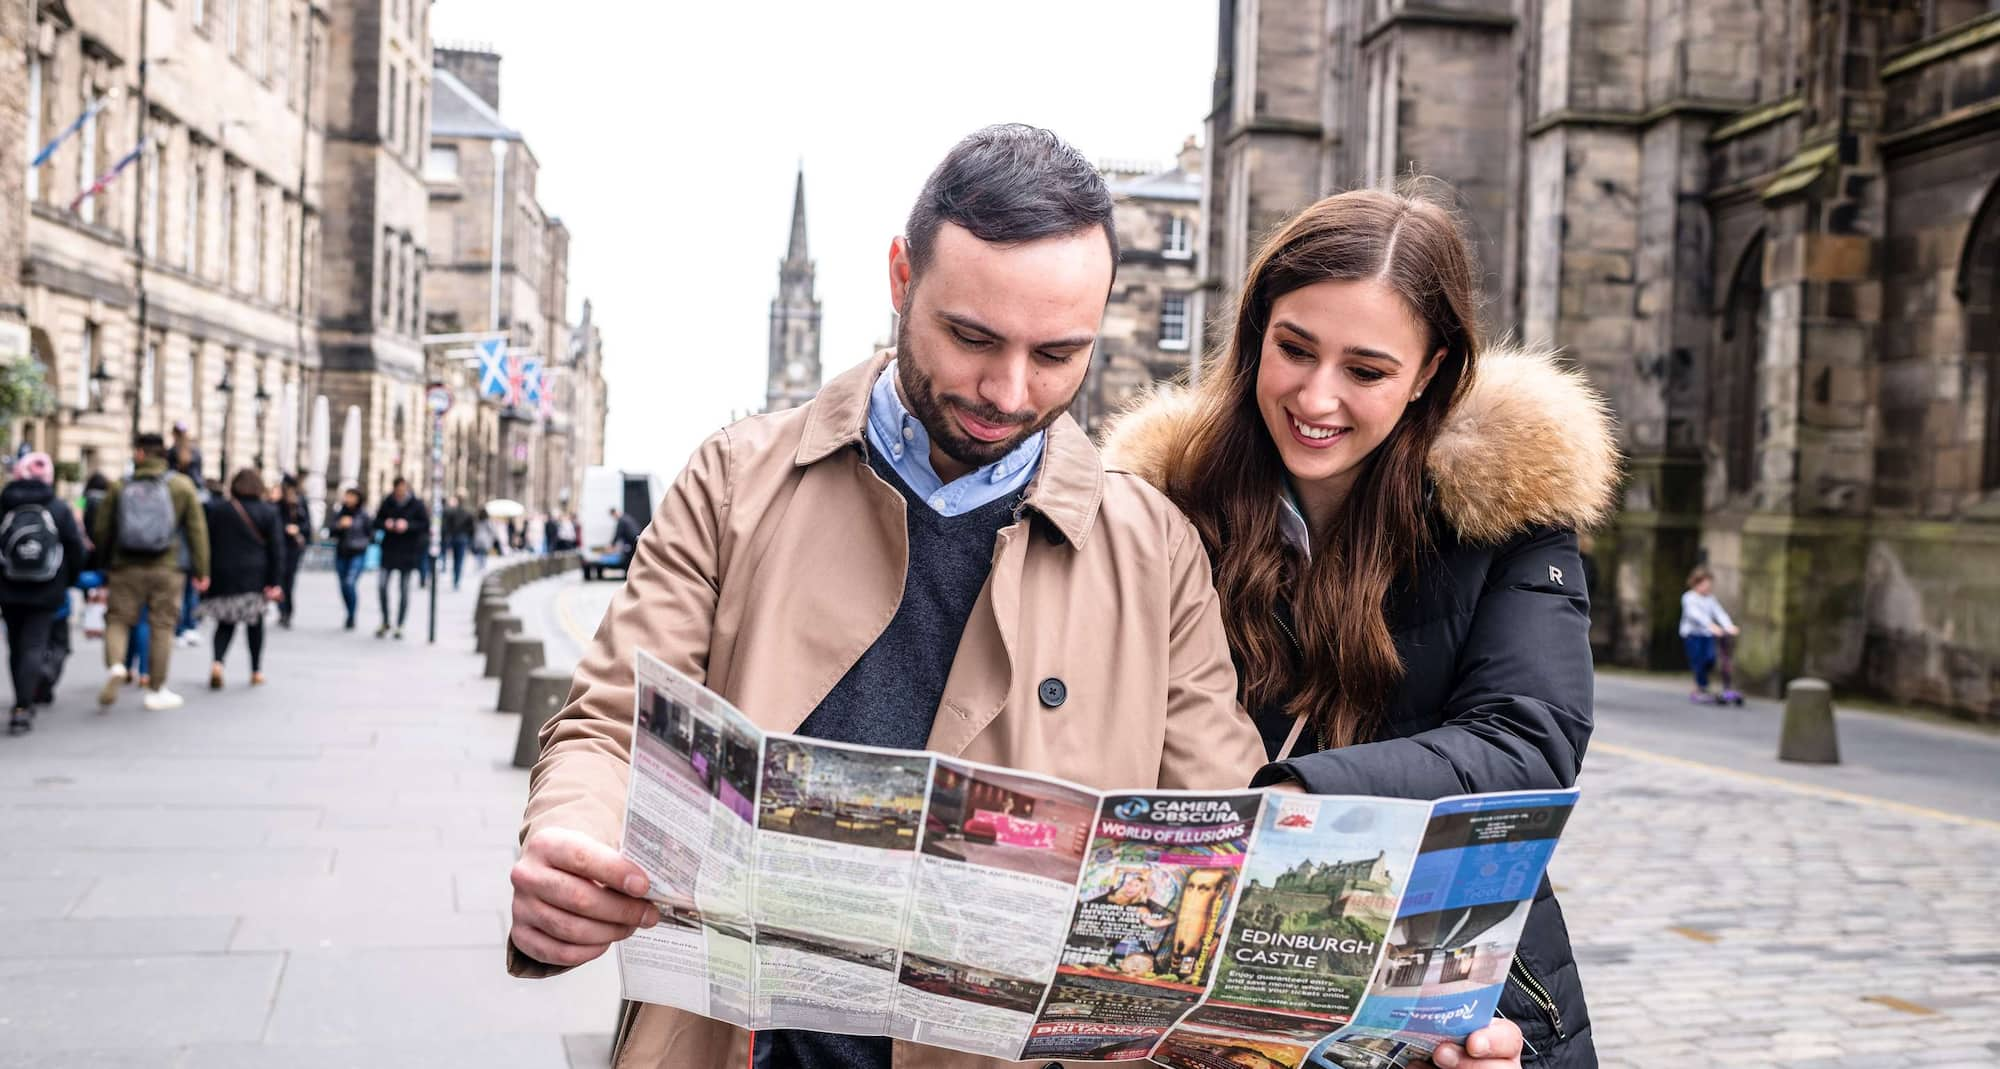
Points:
(1792, 785)
(568, 619)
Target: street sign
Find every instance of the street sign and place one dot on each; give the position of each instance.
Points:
(439, 399)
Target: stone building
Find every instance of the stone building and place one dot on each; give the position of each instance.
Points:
(1155, 311)
(372, 264)
(481, 176)
(16, 22)
(794, 350)
(183, 291)
(1771, 235)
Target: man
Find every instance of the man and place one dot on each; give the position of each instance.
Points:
(624, 537)
(456, 530)
(406, 544)
(153, 537)
(927, 555)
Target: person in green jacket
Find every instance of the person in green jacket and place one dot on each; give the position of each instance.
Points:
(152, 535)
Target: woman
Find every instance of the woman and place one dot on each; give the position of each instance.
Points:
(352, 530)
(246, 554)
(297, 523)
(1394, 538)
(41, 553)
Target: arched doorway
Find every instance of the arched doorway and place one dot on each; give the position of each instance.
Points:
(1978, 292)
(1734, 403)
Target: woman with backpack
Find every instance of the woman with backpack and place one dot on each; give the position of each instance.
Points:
(41, 552)
(246, 569)
(353, 531)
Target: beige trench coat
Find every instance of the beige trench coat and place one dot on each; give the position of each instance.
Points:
(778, 557)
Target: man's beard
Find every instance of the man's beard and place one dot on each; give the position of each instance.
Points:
(921, 395)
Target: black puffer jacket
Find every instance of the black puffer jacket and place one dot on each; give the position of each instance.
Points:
(1493, 630)
(75, 551)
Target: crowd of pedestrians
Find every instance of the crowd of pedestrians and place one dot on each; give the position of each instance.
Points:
(158, 553)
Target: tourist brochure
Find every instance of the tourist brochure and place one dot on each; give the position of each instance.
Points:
(814, 885)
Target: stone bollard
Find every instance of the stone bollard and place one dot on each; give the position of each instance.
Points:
(497, 630)
(519, 655)
(547, 690)
(1809, 735)
(485, 610)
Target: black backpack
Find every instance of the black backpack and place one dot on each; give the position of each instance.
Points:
(31, 550)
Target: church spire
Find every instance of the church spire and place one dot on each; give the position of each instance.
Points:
(795, 254)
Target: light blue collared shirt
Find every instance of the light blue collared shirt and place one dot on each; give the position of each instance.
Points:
(901, 437)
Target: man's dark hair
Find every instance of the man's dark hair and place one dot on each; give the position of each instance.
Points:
(400, 481)
(1009, 184)
(150, 444)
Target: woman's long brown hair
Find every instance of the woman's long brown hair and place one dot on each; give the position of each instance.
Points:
(1229, 479)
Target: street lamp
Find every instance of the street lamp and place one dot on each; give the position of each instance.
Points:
(98, 377)
(228, 391)
(258, 402)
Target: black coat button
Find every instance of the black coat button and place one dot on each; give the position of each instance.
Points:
(1053, 693)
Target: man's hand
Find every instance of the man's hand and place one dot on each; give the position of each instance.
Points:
(1496, 1046)
(201, 584)
(574, 897)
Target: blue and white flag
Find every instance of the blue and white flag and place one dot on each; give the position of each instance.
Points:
(493, 379)
(49, 149)
(531, 380)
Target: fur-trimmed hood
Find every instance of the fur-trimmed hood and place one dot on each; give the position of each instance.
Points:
(1531, 444)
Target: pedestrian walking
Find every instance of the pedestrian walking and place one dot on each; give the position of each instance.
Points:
(156, 538)
(42, 551)
(455, 528)
(247, 563)
(484, 541)
(296, 525)
(406, 529)
(352, 528)
(1705, 626)
(1394, 539)
(927, 554)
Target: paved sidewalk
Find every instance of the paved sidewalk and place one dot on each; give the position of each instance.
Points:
(313, 873)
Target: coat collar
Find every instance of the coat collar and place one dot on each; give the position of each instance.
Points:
(1066, 491)
(1530, 443)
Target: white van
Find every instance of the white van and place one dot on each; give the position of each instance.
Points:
(632, 492)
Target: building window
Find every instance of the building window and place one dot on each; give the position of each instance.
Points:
(260, 37)
(86, 379)
(1174, 321)
(191, 226)
(227, 219)
(34, 186)
(87, 156)
(1179, 244)
(442, 164)
(232, 38)
(198, 14)
(150, 228)
(147, 357)
(386, 283)
(1734, 391)
(389, 128)
(258, 223)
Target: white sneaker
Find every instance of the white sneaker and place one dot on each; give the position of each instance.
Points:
(188, 639)
(157, 700)
(114, 679)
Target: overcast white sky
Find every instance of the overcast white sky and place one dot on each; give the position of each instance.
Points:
(668, 135)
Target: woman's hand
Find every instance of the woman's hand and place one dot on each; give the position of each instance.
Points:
(1496, 1046)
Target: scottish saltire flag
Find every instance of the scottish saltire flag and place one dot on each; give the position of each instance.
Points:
(531, 380)
(493, 367)
(49, 149)
(109, 176)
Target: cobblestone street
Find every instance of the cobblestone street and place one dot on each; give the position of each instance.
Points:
(314, 874)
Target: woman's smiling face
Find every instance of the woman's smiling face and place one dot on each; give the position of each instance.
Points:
(1341, 361)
